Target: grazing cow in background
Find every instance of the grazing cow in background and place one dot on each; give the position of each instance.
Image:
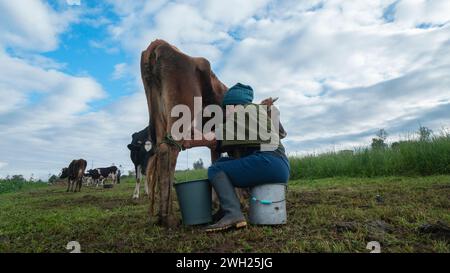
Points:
(99, 175)
(111, 172)
(141, 149)
(88, 180)
(93, 177)
(171, 78)
(74, 173)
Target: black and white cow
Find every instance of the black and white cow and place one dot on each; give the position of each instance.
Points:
(99, 175)
(87, 179)
(141, 149)
(92, 177)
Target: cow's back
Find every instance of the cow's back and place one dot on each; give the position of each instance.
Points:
(77, 168)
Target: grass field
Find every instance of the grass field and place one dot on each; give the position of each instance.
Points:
(324, 215)
(16, 185)
(404, 158)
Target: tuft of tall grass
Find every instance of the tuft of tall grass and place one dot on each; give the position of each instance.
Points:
(411, 157)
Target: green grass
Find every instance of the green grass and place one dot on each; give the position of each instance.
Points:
(108, 220)
(406, 158)
(18, 185)
(182, 176)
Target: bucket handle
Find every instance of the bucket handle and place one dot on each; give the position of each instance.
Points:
(266, 202)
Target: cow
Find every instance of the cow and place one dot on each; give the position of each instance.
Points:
(74, 174)
(99, 175)
(93, 177)
(170, 78)
(87, 179)
(141, 150)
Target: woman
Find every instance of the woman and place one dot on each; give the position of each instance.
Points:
(253, 167)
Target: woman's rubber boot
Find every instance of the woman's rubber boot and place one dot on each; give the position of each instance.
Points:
(229, 203)
(218, 215)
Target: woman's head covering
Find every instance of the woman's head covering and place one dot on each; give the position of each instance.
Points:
(238, 94)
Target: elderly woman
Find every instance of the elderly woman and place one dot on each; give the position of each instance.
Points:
(251, 167)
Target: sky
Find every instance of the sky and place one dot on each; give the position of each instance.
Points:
(70, 83)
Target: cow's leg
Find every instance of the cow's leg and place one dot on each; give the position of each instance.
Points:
(173, 163)
(138, 182)
(145, 184)
(80, 184)
(167, 155)
(163, 182)
(72, 185)
(68, 185)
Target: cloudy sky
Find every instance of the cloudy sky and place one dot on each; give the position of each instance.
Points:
(70, 82)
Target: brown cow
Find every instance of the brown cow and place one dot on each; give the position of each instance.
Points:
(170, 78)
(74, 173)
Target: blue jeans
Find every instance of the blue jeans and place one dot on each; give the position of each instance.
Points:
(255, 169)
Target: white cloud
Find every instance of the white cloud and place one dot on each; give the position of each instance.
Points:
(41, 107)
(232, 12)
(3, 164)
(415, 12)
(120, 70)
(32, 25)
(43, 110)
(73, 2)
(342, 70)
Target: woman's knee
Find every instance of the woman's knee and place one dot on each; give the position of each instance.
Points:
(213, 170)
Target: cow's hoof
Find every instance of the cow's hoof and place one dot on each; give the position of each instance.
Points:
(155, 221)
(135, 197)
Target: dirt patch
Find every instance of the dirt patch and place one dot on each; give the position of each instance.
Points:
(225, 247)
(346, 226)
(438, 230)
(303, 198)
(375, 229)
(445, 186)
(41, 193)
(92, 200)
(379, 226)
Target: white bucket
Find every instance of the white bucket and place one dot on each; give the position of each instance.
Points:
(268, 204)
